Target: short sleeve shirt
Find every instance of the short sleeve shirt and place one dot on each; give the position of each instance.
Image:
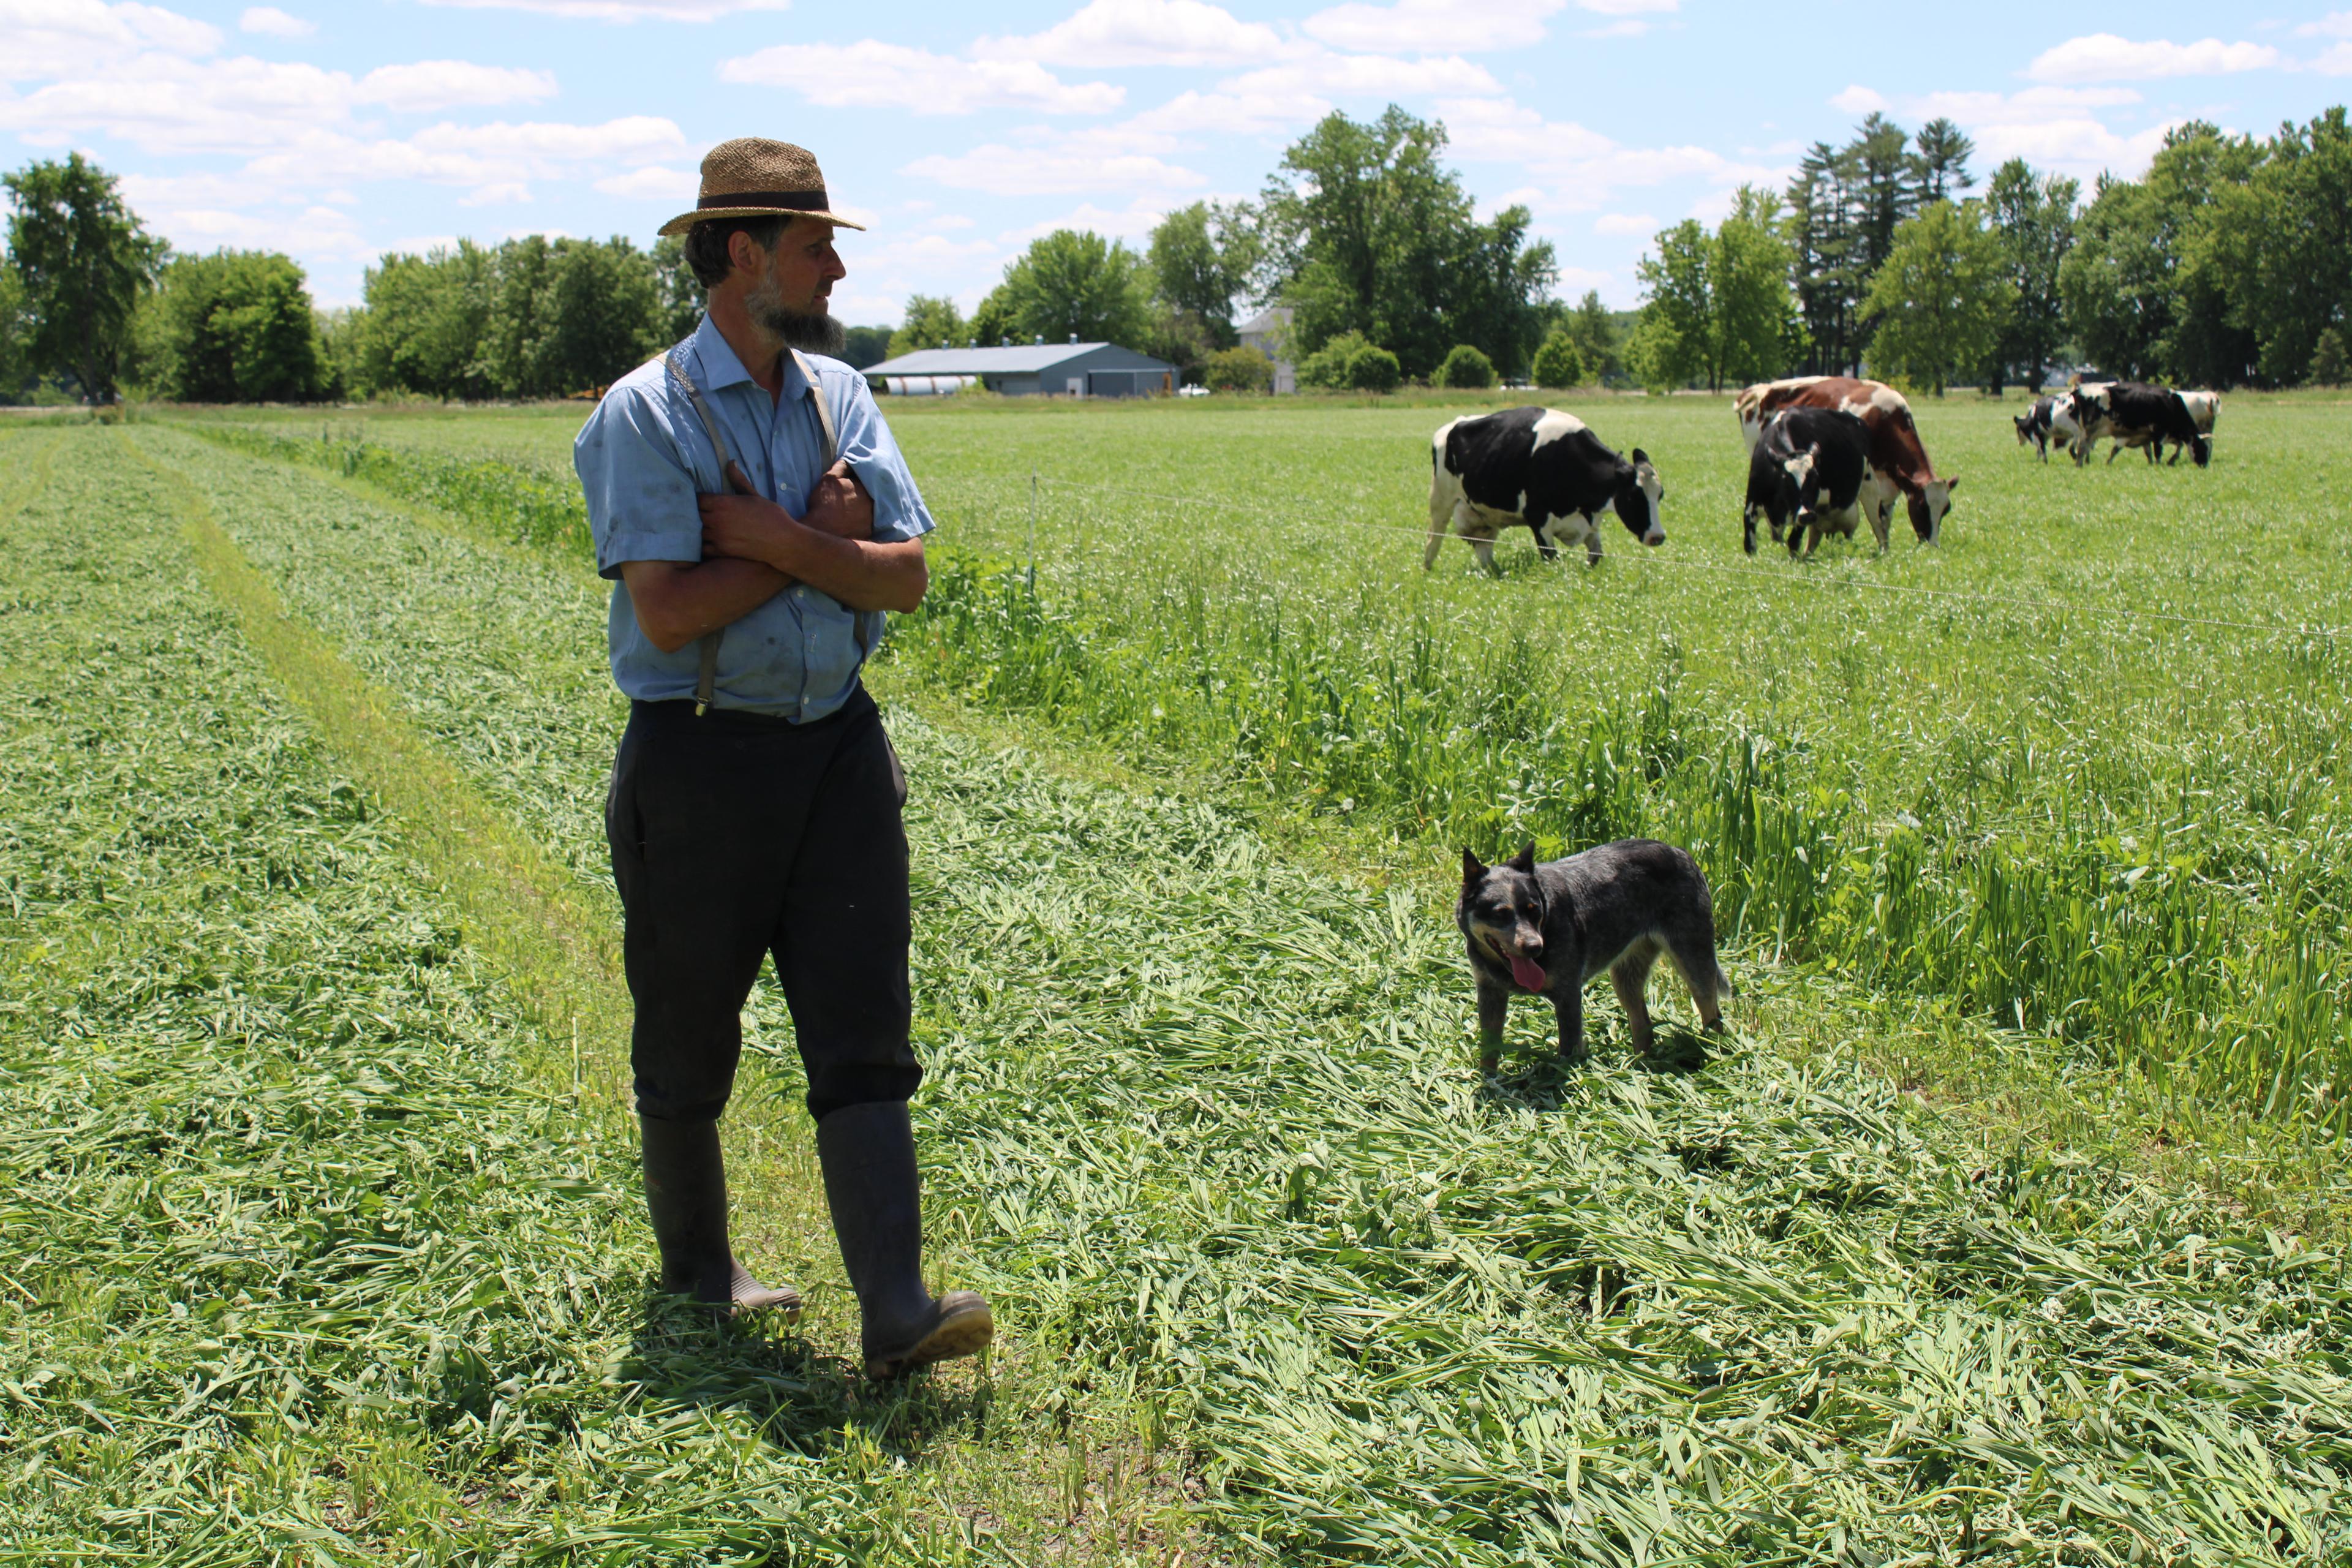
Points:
(643, 457)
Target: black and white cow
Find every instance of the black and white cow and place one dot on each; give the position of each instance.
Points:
(2137, 414)
(2033, 425)
(1807, 474)
(1540, 467)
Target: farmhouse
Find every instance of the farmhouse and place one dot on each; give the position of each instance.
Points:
(1269, 332)
(1069, 370)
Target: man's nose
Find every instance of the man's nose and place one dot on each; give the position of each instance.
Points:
(833, 265)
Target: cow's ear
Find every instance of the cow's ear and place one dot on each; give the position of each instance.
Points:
(1473, 868)
(1524, 861)
(1951, 485)
(1639, 456)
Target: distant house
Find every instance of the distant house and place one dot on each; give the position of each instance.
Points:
(1269, 332)
(1063, 370)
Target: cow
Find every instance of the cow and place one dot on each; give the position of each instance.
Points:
(2065, 425)
(1541, 468)
(2033, 425)
(1898, 463)
(1809, 473)
(2204, 409)
(2137, 414)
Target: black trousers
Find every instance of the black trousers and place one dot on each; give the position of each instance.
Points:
(734, 836)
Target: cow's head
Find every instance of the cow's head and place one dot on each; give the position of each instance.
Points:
(1804, 471)
(2024, 422)
(1639, 494)
(1928, 509)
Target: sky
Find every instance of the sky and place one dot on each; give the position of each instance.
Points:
(337, 132)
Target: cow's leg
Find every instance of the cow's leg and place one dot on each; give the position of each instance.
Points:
(1592, 538)
(1485, 550)
(1547, 545)
(1879, 519)
(1437, 521)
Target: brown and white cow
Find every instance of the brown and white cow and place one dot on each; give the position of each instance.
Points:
(1898, 463)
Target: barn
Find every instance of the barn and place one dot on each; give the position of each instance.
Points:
(1065, 370)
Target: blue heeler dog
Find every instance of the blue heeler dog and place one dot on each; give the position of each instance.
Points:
(1550, 928)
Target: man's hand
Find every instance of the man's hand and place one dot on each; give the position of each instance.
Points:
(839, 505)
(749, 528)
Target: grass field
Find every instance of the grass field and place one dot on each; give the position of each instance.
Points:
(1280, 1278)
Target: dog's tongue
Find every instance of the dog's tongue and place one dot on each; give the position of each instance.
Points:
(1528, 973)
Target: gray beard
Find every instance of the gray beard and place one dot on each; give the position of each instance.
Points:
(810, 332)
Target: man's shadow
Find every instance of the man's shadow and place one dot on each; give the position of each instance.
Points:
(800, 1397)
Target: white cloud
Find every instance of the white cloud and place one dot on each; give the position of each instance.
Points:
(1639, 223)
(270, 19)
(2034, 106)
(2335, 61)
(654, 182)
(1580, 167)
(2334, 24)
(1233, 113)
(871, 74)
(1362, 76)
(1068, 170)
(432, 85)
(623, 10)
(1859, 99)
(507, 194)
(49, 38)
(1141, 33)
(2104, 56)
(1419, 27)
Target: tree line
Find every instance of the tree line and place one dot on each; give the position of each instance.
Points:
(2224, 265)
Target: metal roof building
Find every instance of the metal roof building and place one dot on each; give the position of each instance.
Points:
(1067, 369)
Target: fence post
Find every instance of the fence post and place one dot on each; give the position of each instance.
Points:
(1032, 533)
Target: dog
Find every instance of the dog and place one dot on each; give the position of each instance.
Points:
(1550, 928)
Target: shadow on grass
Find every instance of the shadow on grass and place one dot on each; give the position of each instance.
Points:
(760, 1369)
(1540, 1081)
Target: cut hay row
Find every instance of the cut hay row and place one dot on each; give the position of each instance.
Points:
(1205, 1129)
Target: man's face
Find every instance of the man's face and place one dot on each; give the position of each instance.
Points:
(790, 284)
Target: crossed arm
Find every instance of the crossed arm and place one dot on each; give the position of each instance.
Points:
(753, 550)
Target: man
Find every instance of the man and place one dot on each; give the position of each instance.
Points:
(755, 800)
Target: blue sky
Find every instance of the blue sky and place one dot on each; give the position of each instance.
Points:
(338, 132)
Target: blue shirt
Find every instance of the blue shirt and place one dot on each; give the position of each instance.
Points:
(643, 457)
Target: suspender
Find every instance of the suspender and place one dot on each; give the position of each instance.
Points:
(707, 678)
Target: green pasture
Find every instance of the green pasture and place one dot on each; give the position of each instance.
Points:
(2005, 1228)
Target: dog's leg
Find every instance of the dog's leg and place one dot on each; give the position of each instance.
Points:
(1494, 1005)
(1569, 1002)
(1631, 976)
(1693, 953)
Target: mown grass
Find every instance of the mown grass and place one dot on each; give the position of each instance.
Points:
(1203, 1122)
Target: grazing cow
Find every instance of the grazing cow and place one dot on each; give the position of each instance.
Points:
(1541, 468)
(1806, 475)
(1898, 463)
(2137, 414)
(2204, 408)
(2065, 422)
(2033, 425)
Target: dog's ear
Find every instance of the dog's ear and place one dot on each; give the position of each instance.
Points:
(1524, 861)
(1472, 869)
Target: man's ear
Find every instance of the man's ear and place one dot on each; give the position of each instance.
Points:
(744, 252)
(1524, 861)
(1473, 868)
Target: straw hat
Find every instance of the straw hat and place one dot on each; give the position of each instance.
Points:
(754, 177)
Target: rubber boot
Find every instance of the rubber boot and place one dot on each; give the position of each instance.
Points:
(685, 1193)
(868, 1155)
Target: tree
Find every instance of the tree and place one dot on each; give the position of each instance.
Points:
(1366, 231)
(678, 289)
(594, 312)
(1589, 328)
(426, 319)
(83, 262)
(1076, 285)
(232, 327)
(2269, 256)
(1463, 365)
(1242, 369)
(1558, 362)
(1718, 306)
(2033, 218)
(1202, 260)
(1822, 232)
(15, 338)
(1941, 155)
(1941, 298)
(1350, 360)
(933, 322)
(863, 346)
(2327, 365)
